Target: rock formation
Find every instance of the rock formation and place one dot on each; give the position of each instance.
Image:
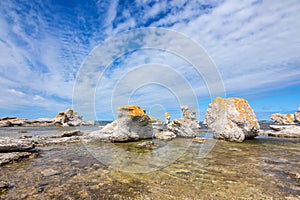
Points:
(232, 119)
(186, 126)
(283, 118)
(132, 124)
(287, 131)
(66, 118)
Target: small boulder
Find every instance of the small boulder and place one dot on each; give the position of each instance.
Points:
(146, 145)
(164, 135)
(232, 119)
(297, 115)
(72, 133)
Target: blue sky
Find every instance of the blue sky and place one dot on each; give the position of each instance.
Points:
(255, 46)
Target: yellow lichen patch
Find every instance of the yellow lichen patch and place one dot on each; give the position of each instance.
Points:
(290, 118)
(167, 114)
(134, 110)
(243, 108)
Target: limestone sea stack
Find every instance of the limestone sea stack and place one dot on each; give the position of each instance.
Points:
(186, 126)
(232, 119)
(132, 124)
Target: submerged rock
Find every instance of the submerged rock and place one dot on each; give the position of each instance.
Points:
(146, 145)
(132, 124)
(283, 118)
(164, 135)
(10, 144)
(186, 126)
(232, 119)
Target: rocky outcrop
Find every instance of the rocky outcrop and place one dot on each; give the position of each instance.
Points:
(232, 119)
(10, 144)
(186, 126)
(287, 131)
(132, 124)
(14, 149)
(283, 119)
(66, 118)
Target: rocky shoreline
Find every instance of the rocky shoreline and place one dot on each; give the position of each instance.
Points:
(66, 118)
(230, 119)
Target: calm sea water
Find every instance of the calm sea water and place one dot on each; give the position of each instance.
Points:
(262, 168)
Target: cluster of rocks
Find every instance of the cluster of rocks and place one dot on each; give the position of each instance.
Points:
(285, 125)
(133, 124)
(66, 118)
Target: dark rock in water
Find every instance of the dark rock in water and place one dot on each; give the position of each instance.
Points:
(132, 124)
(72, 133)
(232, 119)
(10, 144)
(13, 156)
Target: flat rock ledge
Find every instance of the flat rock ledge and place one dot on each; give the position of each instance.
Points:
(285, 131)
(11, 144)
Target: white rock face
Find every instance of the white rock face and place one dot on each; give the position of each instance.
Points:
(287, 131)
(164, 135)
(297, 115)
(232, 119)
(132, 124)
(186, 126)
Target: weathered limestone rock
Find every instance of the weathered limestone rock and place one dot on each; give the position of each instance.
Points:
(10, 144)
(287, 131)
(183, 127)
(283, 118)
(3, 185)
(232, 119)
(297, 115)
(164, 135)
(199, 140)
(68, 118)
(13, 156)
(186, 126)
(132, 124)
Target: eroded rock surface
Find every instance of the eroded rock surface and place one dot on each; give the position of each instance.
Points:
(232, 119)
(186, 126)
(283, 118)
(287, 131)
(132, 124)
(10, 144)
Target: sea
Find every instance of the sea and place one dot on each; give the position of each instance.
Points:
(260, 168)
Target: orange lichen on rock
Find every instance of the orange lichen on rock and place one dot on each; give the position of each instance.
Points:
(290, 118)
(243, 108)
(167, 114)
(134, 110)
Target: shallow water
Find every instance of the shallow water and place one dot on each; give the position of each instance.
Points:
(262, 168)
